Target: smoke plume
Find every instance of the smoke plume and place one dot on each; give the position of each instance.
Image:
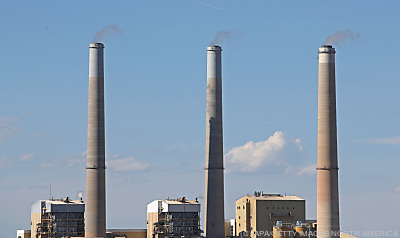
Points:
(220, 36)
(340, 36)
(79, 195)
(107, 30)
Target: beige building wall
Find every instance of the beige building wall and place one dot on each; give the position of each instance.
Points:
(35, 219)
(261, 213)
(152, 217)
(129, 233)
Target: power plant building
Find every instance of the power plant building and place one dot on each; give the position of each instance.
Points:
(57, 218)
(173, 218)
(23, 233)
(261, 212)
(126, 233)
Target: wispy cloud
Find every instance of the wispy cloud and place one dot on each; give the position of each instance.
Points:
(51, 164)
(302, 170)
(215, 7)
(37, 134)
(385, 140)
(26, 156)
(66, 161)
(129, 164)
(7, 126)
(397, 189)
(173, 148)
(279, 150)
(3, 162)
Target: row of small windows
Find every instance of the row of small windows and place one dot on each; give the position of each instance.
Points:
(267, 207)
(278, 207)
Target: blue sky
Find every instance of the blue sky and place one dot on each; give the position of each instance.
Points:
(155, 70)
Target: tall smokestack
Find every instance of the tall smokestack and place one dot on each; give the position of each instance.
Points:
(327, 170)
(214, 217)
(95, 216)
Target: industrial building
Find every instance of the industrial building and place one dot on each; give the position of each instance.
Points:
(111, 233)
(57, 218)
(294, 230)
(260, 212)
(126, 233)
(173, 218)
(230, 227)
(23, 233)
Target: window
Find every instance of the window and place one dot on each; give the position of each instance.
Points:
(239, 217)
(243, 206)
(239, 224)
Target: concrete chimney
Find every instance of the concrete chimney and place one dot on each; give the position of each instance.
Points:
(95, 215)
(327, 169)
(214, 217)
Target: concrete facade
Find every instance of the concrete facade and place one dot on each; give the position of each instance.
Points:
(327, 170)
(214, 217)
(262, 211)
(95, 170)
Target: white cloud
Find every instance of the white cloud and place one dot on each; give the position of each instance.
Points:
(307, 170)
(275, 151)
(26, 156)
(397, 189)
(127, 164)
(388, 140)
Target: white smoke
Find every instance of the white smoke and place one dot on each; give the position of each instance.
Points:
(340, 36)
(107, 30)
(79, 196)
(220, 36)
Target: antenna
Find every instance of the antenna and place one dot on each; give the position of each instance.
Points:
(50, 192)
